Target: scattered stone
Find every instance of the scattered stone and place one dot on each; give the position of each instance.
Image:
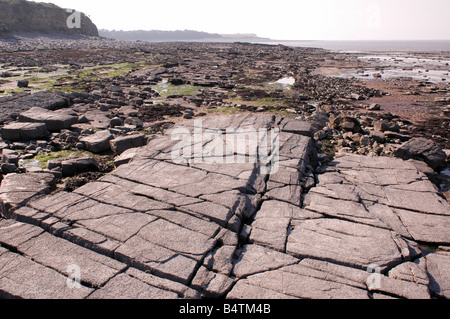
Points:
(320, 135)
(24, 131)
(115, 122)
(378, 136)
(345, 123)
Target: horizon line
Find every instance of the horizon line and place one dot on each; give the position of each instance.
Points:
(255, 35)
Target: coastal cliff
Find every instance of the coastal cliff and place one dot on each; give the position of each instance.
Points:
(20, 16)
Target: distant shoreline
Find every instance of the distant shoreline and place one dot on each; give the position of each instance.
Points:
(356, 46)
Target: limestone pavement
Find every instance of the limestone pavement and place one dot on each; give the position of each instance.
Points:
(359, 227)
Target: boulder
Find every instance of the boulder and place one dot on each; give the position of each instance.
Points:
(98, 142)
(346, 123)
(22, 84)
(374, 107)
(78, 165)
(123, 143)
(115, 122)
(379, 137)
(54, 121)
(24, 131)
(383, 126)
(10, 157)
(423, 150)
(8, 168)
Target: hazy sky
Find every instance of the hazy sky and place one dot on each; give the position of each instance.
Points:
(277, 19)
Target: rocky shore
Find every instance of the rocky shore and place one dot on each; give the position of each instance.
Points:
(86, 130)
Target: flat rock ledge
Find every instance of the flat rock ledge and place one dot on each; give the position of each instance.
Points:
(169, 224)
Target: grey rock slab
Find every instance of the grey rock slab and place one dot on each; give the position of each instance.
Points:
(437, 267)
(358, 162)
(289, 193)
(337, 191)
(347, 243)
(345, 209)
(120, 227)
(28, 215)
(425, 202)
(124, 286)
(374, 282)
(17, 189)
(427, 228)
(82, 208)
(98, 142)
(15, 233)
(221, 259)
(58, 203)
(275, 209)
(294, 284)
(297, 127)
(255, 259)
(97, 119)
(20, 277)
(286, 176)
(202, 226)
(210, 184)
(270, 232)
(211, 284)
(401, 288)
(10, 156)
(330, 271)
(151, 192)
(243, 121)
(12, 106)
(181, 290)
(215, 212)
(126, 157)
(390, 218)
(120, 196)
(271, 225)
(296, 146)
(54, 121)
(243, 290)
(162, 175)
(144, 255)
(60, 254)
(230, 199)
(20, 131)
(177, 238)
(91, 240)
(411, 271)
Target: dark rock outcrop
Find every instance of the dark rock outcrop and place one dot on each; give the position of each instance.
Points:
(423, 150)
